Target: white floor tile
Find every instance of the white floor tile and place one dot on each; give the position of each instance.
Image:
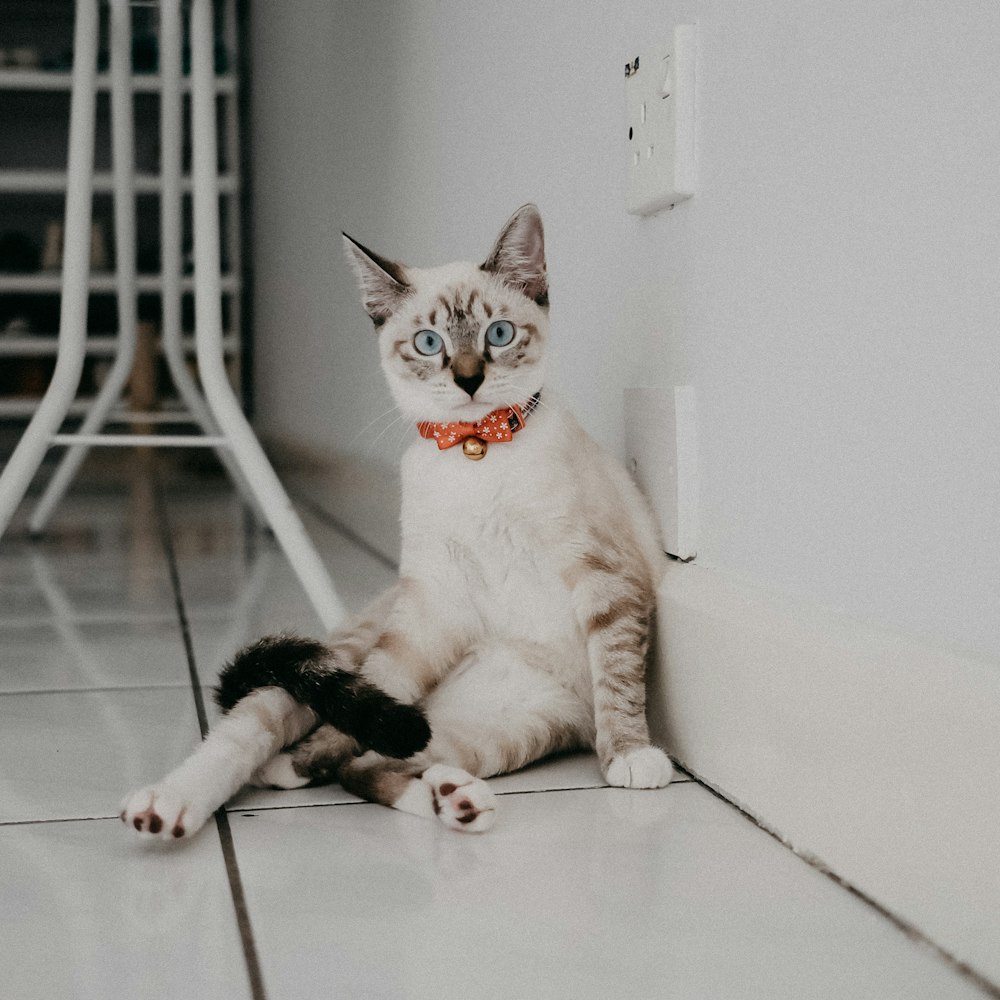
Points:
(66, 654)
(237, 589)
(69, 755)
(580, 891)
(89, 914)
(574, 894)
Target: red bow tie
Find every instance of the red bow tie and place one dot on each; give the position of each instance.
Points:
(498, 426)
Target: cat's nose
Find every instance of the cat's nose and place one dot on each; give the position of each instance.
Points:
(470, 383)
(468, 373)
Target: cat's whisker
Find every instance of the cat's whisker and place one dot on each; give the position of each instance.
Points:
(371, 423)
(400, 419)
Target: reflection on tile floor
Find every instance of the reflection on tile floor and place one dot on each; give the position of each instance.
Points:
(580, 890)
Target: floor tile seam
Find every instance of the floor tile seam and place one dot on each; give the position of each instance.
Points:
(348, 534)
(904, 926)
(176, 686)
(283, 807)
(88, 619)
(223, 830)
(50, 820)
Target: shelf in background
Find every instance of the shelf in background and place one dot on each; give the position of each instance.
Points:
(41, 345)
(54, 182)
(104, 281)
(12, 407)
(42, 79)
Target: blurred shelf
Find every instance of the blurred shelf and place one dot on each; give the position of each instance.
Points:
(40, 345)
(45, 79)
(101, 281)
(54, 182)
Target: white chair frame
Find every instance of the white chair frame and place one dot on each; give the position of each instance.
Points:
(218, 414)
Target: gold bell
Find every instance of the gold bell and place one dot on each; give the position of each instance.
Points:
(474, 448)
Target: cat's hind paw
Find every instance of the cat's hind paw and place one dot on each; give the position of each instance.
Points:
(159, 811)
(279, 772)
(461, 801)
(644, 767)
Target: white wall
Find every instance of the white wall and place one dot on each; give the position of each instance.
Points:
(831, 292)
(834, 297)
(418, 128)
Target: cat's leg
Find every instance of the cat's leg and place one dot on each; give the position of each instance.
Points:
(254, 730)
(614, 604)
(500, 709)
(424, 634)
(315, 760)
(456, 798)
(452, 795)
(505, 706)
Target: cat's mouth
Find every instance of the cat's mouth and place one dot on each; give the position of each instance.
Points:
(474, 410)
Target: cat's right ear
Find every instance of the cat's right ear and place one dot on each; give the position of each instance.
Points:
(383, 282)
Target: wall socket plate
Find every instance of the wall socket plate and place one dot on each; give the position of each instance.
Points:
(660, 123)
(661, 447)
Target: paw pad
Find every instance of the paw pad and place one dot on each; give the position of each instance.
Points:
(461, 801)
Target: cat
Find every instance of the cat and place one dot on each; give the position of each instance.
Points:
(519, 626)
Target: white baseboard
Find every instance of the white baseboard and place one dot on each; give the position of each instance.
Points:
(873, 753)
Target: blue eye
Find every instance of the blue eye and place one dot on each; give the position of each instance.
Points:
(500, 333)
(428, 342)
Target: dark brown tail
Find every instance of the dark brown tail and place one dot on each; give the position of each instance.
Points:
(307, 670)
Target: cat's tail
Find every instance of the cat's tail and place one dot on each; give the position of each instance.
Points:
(307, 670)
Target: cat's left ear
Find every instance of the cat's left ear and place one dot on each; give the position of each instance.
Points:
(518, 257)
(383, 282)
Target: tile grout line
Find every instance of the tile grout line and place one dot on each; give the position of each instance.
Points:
(223, 827)
(58, 819)
(96, 690)
(323, 515)
(250, 810)
(912, 932)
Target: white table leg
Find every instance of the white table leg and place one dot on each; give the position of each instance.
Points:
(30, 450)
(247, 451)
(123, 177)
(171, 141)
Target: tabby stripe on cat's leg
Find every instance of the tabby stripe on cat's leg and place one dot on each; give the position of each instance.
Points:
(615, 605)
(618, 642)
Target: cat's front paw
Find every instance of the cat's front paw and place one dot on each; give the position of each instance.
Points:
(461, 801)
(160, 811)
(644, 767)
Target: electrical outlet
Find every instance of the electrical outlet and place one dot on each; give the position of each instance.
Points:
(660, 120)
(661, 445)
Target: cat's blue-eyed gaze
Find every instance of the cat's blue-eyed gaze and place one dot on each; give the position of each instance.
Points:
(428, 343)
(500, 333)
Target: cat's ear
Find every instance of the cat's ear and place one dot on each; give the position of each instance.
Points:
(383, 282)
(518, 257)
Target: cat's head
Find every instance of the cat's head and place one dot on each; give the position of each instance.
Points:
(461, 340)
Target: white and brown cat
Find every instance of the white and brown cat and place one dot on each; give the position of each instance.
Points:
(519, 625)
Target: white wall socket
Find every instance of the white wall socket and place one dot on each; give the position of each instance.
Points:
(661, 445)
(660, 122)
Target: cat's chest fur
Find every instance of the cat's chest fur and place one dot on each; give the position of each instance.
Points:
(499, 533)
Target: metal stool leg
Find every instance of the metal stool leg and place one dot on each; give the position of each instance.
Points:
(267, 487)
(30, 450)
(123, 172)
(171, 135)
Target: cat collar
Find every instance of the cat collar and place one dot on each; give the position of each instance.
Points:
(499, 426)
